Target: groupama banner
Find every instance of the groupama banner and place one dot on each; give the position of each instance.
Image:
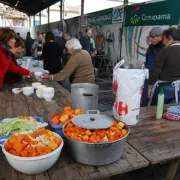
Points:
(158, 13)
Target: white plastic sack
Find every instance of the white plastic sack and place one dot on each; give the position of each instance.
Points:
(127, 91)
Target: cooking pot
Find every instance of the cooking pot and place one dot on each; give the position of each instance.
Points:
(95, 153)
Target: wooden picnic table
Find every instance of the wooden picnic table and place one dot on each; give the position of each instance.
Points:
(65, 168)
(156, 139)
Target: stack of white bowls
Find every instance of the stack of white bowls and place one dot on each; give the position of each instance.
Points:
(39, 91)
(48, 93)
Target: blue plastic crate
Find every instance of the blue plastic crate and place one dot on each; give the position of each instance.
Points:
(38, 118)
(56, 128)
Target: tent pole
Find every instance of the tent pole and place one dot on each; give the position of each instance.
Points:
(61, 14)
(82, 13)
(122, 29)
(48, 19)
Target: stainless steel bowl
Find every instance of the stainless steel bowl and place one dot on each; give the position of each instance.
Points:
(95, 153)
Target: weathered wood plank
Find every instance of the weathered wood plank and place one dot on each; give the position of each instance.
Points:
(64, 169)
(6, 171)
(157, 140)
(8, 105)
(41, 176)
(1, 104)
(130, 160)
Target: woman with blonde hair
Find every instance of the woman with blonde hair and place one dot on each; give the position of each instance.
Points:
(7, 41)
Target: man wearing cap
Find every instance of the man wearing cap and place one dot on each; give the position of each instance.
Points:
(156, 44)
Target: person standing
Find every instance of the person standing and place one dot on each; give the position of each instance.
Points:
(87, 41)
(7, 41)
(37, 46)
(18, 47)
(67, 36)
(79, 35)
(59, 40)
(156, 44)
(79, 66)
(51, 54)
(28, 44)
(166, 70)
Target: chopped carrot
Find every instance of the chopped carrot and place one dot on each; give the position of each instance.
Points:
(55, 120)
(67, 108)
(18, 146)
(26, 138)
(57, 140)
(77, 112)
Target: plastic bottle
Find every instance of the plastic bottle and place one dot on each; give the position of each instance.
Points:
(160, 105)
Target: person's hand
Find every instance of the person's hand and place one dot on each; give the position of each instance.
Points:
(149, 91)
(64, 51)
(143, 65)
(45, 76)
(31, 74)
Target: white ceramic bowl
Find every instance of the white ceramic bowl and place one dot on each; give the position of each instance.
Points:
(39, 94)
(33, 165)
(17, 90)
(27, 57)
(39, 91)
(48, 97)
(27, 91)
(35, 85)
(48, 90)
(38, 74)
(41, 87)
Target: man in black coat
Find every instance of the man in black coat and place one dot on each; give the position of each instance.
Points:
(86, 41)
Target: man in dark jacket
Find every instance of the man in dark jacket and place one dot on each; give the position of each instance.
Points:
(155, 37)
(86, 41)
(59, 40)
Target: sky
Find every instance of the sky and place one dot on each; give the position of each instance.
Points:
(96, 5)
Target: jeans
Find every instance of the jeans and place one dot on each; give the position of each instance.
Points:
(169, 93)
(144, 99)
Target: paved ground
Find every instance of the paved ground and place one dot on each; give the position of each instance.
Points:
(156, 172)
(105, 95)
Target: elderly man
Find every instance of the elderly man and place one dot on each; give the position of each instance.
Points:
(79, 67)
(156, 44)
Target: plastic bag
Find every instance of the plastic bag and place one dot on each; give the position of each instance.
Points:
(127, 91)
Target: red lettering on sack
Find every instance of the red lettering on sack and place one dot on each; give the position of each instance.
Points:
(122, 108)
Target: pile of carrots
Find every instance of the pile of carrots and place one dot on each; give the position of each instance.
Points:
(32, 144)
(65, 116)
(115, 132)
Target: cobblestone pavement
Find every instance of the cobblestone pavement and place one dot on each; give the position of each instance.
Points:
(105, 96)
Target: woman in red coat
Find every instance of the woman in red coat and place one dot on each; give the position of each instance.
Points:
(7, 40)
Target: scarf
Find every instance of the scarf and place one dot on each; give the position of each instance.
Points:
(6, 50)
